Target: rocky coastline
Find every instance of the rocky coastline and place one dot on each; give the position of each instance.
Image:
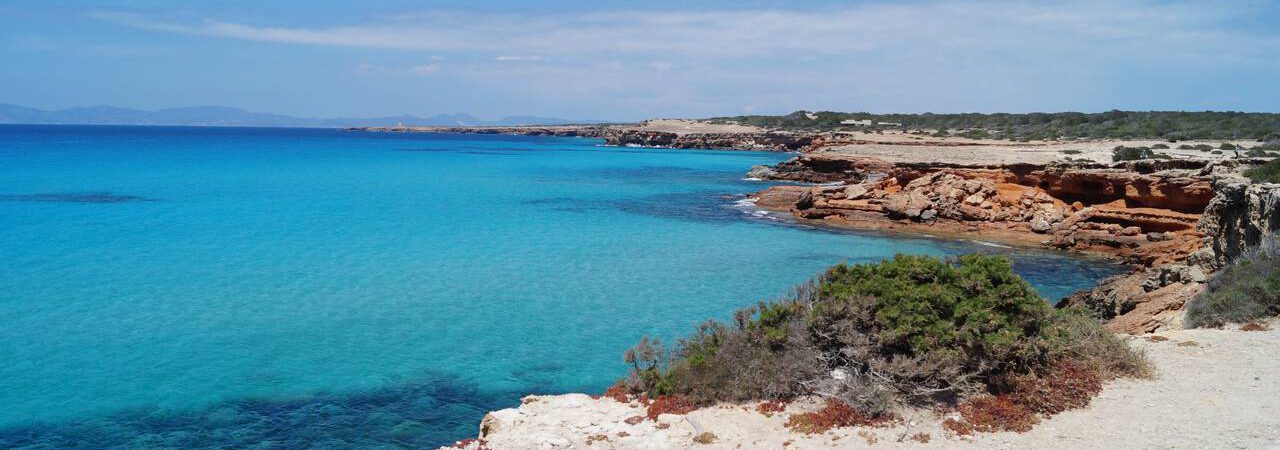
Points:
(654, 134)
(1174, 221)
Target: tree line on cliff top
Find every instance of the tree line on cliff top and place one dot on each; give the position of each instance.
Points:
(1168, 125)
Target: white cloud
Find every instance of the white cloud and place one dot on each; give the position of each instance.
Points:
(923, 55)
(936, 27)
(425, 69)
(520, 58)
(365, 68)
(661, 66)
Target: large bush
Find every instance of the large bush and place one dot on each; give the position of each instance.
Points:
(1246, 290)
(1123, 153)
(912, 329)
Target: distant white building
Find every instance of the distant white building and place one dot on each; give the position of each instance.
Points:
(868, 122)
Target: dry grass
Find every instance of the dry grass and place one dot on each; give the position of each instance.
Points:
(617, 392)
(1245, 291)
(998, 413)
(1254, 326)
(836, 414)
(706, 437)
(1066, 386)
(959, 427)
(1081, 340)
(669, 404)
(771, 407)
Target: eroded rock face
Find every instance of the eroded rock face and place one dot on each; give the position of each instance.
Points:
(1118, 220)
(1237, 218)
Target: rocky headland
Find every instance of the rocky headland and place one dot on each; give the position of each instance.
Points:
(659, 133)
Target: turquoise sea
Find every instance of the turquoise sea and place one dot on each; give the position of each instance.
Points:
(289, 288)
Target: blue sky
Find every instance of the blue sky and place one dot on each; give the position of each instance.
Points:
(629, 60)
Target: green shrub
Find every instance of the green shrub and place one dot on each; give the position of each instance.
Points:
(1160, 147)
(1246, 290)
(972, 314)
(1070, 152)
(1226, 146)
(1266, 173)
(1123, 153)
(913, 329)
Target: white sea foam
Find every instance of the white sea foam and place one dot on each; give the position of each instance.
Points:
(988, 244)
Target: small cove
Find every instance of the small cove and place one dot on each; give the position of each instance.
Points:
(217, 287)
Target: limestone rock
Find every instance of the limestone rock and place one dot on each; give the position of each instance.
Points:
(762, 172)
(856, 192)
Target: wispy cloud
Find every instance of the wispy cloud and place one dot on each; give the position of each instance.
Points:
(425, 69)
(964, 25)
(520, 58)
(932, 54)
(364, 68)
(661, 66)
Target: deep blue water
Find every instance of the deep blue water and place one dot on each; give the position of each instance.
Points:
(277, 288)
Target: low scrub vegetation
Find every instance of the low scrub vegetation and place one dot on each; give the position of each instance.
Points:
(913, 330)
(1246, 290)
(1123, 153)
(1269, 145)
(1260, 153)
(1172, 126)
(1266, 173)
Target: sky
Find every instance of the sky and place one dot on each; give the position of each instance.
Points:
(627, 60)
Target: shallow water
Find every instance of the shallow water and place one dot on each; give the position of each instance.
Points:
(211, 287)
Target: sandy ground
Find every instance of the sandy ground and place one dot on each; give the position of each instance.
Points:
(901, 147)
(1213, 389)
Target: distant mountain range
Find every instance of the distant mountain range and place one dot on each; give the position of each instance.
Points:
(236, 117)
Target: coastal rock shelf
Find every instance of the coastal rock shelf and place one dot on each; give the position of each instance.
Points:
(1175, 220)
